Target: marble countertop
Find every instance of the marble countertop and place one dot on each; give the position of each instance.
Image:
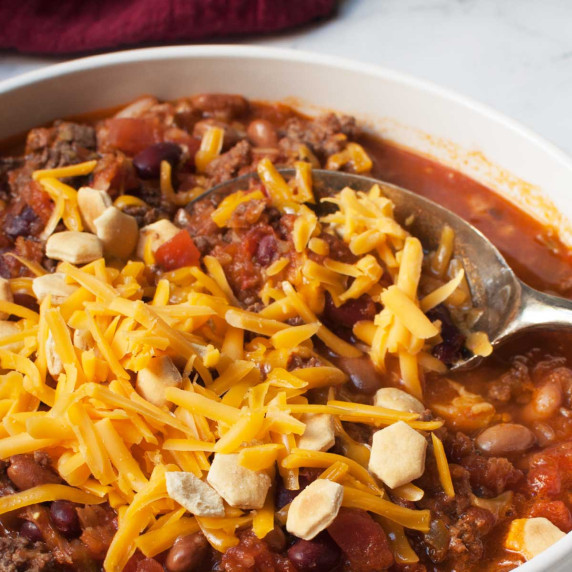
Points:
(514, 55)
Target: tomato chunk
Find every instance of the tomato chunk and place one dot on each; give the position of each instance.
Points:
(362, 540)
(178, 252)
(555, 511)
(129, 134)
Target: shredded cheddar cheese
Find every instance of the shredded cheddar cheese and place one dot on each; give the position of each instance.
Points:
(72, 384)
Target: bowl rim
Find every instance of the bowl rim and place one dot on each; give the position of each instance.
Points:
(232, 51)
(555, 554)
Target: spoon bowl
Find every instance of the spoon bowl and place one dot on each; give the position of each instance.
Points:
(507, 305)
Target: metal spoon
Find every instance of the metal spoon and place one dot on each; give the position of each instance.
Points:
(508, 305)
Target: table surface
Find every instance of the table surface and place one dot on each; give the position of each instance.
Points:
(514, 55)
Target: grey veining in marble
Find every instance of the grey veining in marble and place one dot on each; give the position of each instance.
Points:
(514, 55)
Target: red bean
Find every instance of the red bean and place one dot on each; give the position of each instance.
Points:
(318, 555)
(350, 312)
(362, 373)
(266, 249)
(220, 104)
(65, 519)
(262, 133)
(188, 553)
(451, 348)
(362, 540)
(30, 531)
(25, 473)
(505, 438)
(147, 163)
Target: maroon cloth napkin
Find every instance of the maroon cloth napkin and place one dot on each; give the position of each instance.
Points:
(64, 26)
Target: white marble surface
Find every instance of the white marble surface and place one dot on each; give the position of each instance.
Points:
(514, 55)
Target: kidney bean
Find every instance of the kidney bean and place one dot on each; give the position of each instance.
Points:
(362, 540)
(30, 531)
(25, 473)
(20, 224)
(504, 438)
(451, 348)
(350, 312)
(188, 553)
(362, 373)
(266, 249)
(147, 163)
(222, 104)
(65, 519)
(318, 555)
(262, 133)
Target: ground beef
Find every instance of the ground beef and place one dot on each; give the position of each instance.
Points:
(297, 361)
(20, 555)
(230, 164)
(466, 535)
(6, 485)
(489, 476)
(115, 174)
(29, 249)
(324, 135)
(515, 383)
(255, 555)
(65, 143)
(99, 525)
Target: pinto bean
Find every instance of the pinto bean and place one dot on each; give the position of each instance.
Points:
(147, 163)
(504, 438)
(362, 373)
(545, 402)
(262, 133)
(25, 473)
(321, 553)
(220, 104)
(276, 539)
(188, 553)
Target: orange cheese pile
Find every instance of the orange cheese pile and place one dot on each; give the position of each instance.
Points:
(109, 443)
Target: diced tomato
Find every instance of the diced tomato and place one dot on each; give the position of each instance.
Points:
(362, 540)
(555, 511)
(551, 470)
(545, 480)
(129, 134)
(178, 252)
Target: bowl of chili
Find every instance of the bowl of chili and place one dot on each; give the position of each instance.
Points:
(169, 134)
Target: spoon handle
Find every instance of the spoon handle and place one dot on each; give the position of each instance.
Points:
(538, 310)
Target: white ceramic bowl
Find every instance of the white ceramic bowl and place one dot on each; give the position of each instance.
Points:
(466, 135)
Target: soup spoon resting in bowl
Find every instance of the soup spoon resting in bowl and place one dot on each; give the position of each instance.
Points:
(508, 306)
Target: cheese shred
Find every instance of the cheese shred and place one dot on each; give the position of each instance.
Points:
(80, 376)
